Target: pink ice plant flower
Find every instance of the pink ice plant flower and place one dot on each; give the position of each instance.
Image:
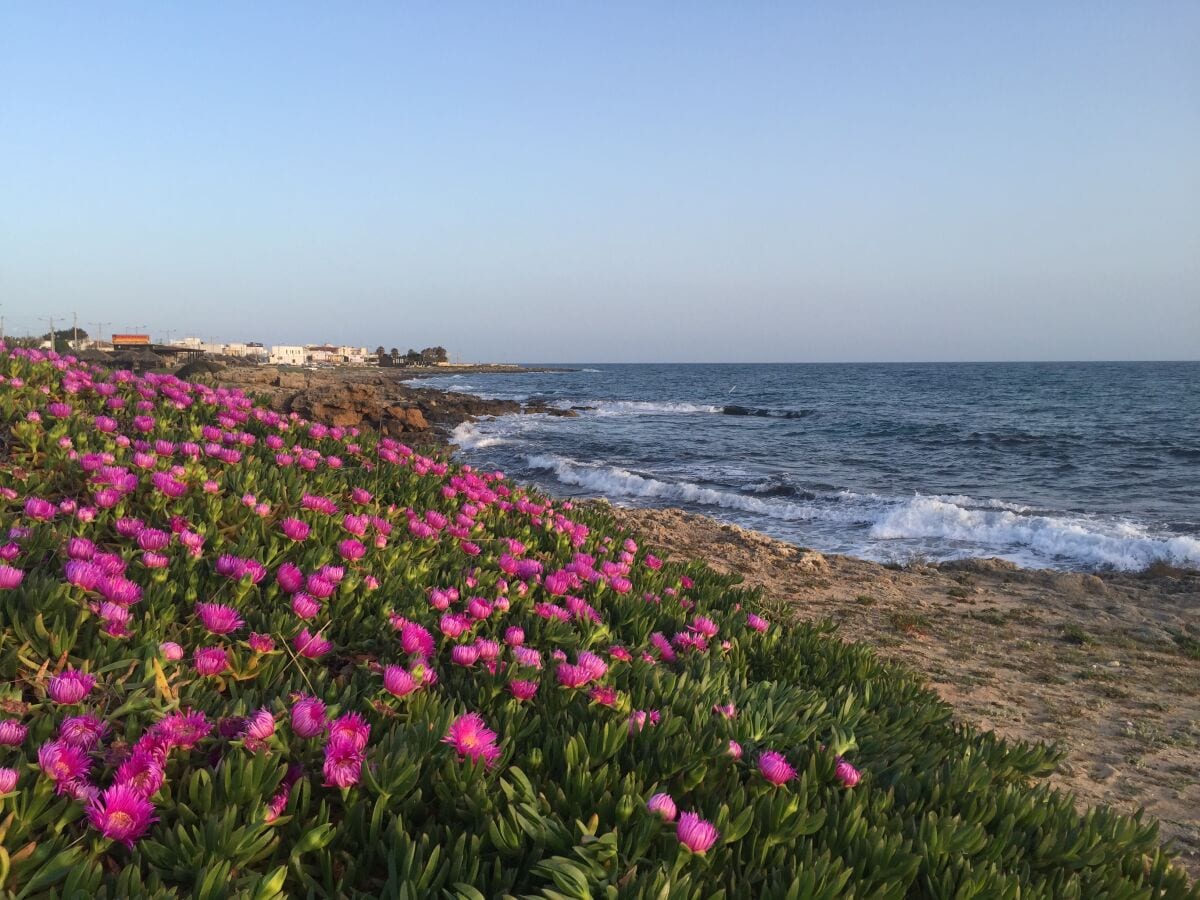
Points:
(70, 687)
(695, 833)
(308, 717)
(8, 780)
(846, 774)
(121, 814)
(12, 733)
(662, 806)
(311, 646)
(63, 763)
(472, 739)
(219, 618)
(398, 682)
(295, 529)
(211, 660)
(774, 767)
(523, 690)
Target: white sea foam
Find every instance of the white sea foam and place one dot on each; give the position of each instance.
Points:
(1094, 542)
(613, 481)
(645, 407)
(468, 436)
(992, 528)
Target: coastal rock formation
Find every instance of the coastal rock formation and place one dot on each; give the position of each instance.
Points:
(368, 399)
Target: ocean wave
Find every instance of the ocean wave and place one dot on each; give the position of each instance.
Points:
(613, 481)
(468, 436)
(1092, 542)
(645, 407)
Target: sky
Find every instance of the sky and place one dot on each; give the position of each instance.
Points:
(608, 182)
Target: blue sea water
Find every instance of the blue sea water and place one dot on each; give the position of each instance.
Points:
(1063, 465)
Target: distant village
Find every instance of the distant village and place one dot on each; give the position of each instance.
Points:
(250, 352)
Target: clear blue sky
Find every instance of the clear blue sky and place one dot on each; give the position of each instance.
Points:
(611, 181)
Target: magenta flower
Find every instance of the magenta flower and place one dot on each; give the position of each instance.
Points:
(171, 650)
(351, 549)
(84, 732)
(758, 623)
(8, 780)
(39, 509)
(846, 774)
(70, 687)
(310, 646)
(121, 814)
(295, 529)
(320, 587)
(211, 660)
(774, 767)
(182, 729)
(142, 771)
(604, 695)
(343, 765)
(290, 578)
(80, 548)
(219, 618)
(592, 664)
(304, 606)
(453, 625)
(695, 833)
(308, 717)
(416, 639)
(398, 682)
(570, 676)
(83, 574)
(261, 643)
(351, 729)
(10, 577)
(663, 806)
(489, 650)
(12, 733)
(464, 655)
(514, 636)
(705, 626)
(523, 690)
(471, 738)
(735, 750)
(261, 725)
(63, 762)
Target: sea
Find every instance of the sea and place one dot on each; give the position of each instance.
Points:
(1075, 466)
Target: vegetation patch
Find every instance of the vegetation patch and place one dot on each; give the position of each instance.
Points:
(246, 655)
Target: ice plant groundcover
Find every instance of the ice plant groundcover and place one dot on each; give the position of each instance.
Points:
(242, 654)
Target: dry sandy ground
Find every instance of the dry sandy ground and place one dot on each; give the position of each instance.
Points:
(1108, 667)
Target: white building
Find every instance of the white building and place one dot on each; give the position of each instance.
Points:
(285, 355)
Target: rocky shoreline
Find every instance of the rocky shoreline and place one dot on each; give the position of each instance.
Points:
(375, 398)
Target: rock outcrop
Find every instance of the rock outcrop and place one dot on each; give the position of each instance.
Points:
(369, 399)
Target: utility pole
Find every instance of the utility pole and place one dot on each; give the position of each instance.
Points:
(75, 330)
(50, 319)
(99, 331)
